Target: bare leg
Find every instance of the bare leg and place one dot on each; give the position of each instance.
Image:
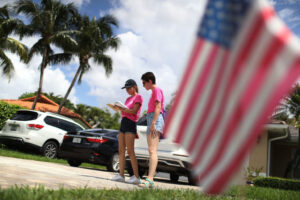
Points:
(121, 137)
(129, 141)
(152, 148)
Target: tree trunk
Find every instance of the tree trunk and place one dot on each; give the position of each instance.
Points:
(69, 90)
(43, 66)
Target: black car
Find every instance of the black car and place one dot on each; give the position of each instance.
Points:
(98, 146)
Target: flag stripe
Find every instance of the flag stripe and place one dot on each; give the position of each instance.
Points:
(205, 104)
(247, 99)
(217, 185)
(232, 86)
(208, 121)
(232, 117)
(198, 90)
(213, 124)
(232, 97)
(249, 135)
(183, 92)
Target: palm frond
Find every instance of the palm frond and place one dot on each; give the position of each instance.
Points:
(60, 58)
(8, 26)
(37, 48)
(27, 7)
(112, 42)
(104, 23)
(64, 40)
(16, 47)
(6, 65)
(4, 12)
(106, 61)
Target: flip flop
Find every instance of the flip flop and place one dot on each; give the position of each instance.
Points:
(147, 184)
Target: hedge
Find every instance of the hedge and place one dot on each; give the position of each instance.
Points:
(280, 183)
(7, 111)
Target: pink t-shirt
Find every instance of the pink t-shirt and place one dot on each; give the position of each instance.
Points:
(157, 95)
(130, 101)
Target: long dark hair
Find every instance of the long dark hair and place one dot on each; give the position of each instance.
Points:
(136, 88)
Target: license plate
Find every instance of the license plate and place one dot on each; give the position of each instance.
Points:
(13, 127)
(76, 140)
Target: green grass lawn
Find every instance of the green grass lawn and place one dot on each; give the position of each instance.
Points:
(240, 192)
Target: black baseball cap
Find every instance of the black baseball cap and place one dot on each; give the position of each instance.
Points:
(129, 83)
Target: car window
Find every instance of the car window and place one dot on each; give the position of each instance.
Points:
(142, 121)
(68, 126)
(25, 116)
(52, 121)
(62, 124)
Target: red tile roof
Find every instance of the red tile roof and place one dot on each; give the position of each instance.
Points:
(46, 105)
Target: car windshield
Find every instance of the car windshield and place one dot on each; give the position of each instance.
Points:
(25, 116)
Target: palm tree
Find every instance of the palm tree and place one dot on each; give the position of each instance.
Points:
(49, 20)
(290, 106)
(95, 37)
(8, 26)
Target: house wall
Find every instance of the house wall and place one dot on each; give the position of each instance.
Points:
(259, 154)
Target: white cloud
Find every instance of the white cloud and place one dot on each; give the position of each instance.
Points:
(76, 2)
(157, 36)
(286, 13)
(4, 2)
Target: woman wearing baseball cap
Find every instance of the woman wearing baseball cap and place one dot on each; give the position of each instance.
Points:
(128, 131)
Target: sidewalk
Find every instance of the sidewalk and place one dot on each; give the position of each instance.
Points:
(19, 172)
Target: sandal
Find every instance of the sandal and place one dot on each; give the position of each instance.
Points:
(147, 183)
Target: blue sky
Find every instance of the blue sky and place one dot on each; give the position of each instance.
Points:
(156, 35)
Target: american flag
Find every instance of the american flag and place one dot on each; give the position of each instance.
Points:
(243, 61)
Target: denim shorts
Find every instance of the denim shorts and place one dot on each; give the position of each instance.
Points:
(159, 123)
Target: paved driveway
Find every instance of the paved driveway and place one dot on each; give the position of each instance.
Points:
(15, 171)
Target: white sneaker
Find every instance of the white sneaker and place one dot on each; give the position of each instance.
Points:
(134, 180)
(118, 178)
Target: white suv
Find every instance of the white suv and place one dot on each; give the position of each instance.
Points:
(42, 130)
(171, 158)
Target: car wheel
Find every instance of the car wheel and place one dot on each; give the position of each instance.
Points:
(191, 179)
(142, 172)
(129, 169)
(74, 163)
(113, 164)
(50, 149)
(174, 177)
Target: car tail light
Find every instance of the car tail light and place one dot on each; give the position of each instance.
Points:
(97, 140)
(35, 126)
(136, 136)
(66, 137)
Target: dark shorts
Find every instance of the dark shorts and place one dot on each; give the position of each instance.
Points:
(128, 126)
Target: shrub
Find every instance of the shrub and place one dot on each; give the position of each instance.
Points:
(7, 111)
(280, 183)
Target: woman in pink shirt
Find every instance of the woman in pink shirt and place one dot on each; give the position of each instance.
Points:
(128, 131)
(155, 123)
